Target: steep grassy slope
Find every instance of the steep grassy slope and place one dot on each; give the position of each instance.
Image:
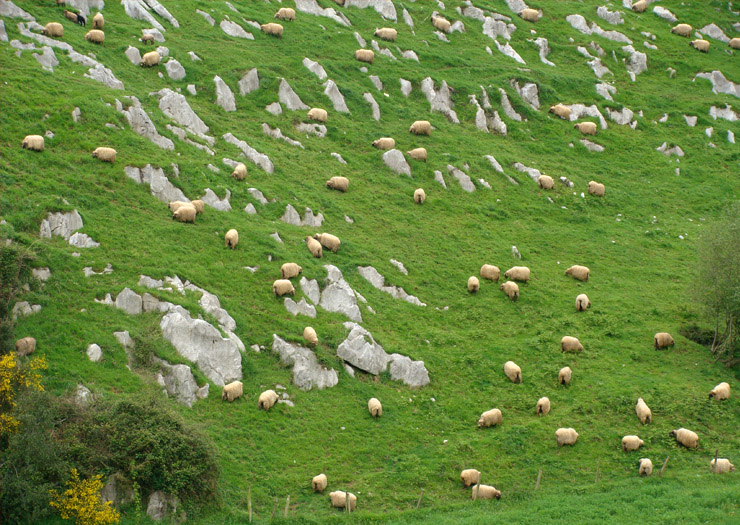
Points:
(638, 242)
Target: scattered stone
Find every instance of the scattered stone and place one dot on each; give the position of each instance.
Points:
(720, 84)
(315, 68)
(275, 108)
(307, 372)
(360, 41)
(260, 159)
(509, 51)
(691, 121)
(400, 266)
(134, 55)
(515, 253)
(395, 160)
(257, 195)
(348, 220)
(528, 92)
(439, 100)
(595, 64)
(129, 301)
(24, 308)
(613, 17)
(606, 91)
(665, 14)
(592, 146)
(533, 173)
(439, 178)
(83, 396)
(76, 115)
(730, 137)
(671, 72)
(579, 23)
(94, 353)
(376, 82)
(713, 31)
(311, 129)
(544, 50)
(82, 240)
(250, 82)
(508, 108)
(3, 33)
(179, 382)
(176, 107)
(164, 52)
(332, 91)
(385, 8)
(142, 125)
(675, 150)
(374, 105)
(708, 132)
(277, 238)
(649, 45)
(312, 7)
(405, 87)
(235, 30)
(250, 209)
(163, 505)
(160, 185)
(47, 59)
(194, 57)
(466, 183)
(277, 134)
(339, 158)
(579, 110)
(42, 274)
(213, 168)
(378, 281)
(622, 117)
(61, 224)
(156, 33)
(726, 113)
(637, 61)
(289, 98)
(311, 289)
(88, 271)
(338, 296)
(212, 200)
(301, 307)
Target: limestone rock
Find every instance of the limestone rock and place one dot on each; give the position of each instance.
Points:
(164, 52)
(533, 173)
(174, 69)
(374, 105)
(665, 14)
(338, 296)
(179, 382)
(176, 107)
(76, 114)
(405, 87)
(376, 82)
(315, 68)
(129, 301)
(88, 271)
(528, 92)
(675, 150)
(257, 195)
(691, 121)
(311, 289)
(103, 75)
(606, 91)
(249, 82)
(466, 183)
(42, 274)
(142, 125)
(61, 224)
(275, 108)
(205, 15)
(439, 100)
(138, 10)
(407, 18)
(156, 33)
(163, 506)
(47, 59)
(250, 209)
(395, 160)
(613, 17)
(125, 339)
(720, 84)
(289, 98)
(160, 185)
(579, 23)
(339, 158)
(311, 129)
(24, 308)
(212, 200)
(579, 110)
(400, 266)
(713, 31)
(544, 50)
(235, 30)
(3, 33)
(592, 146)
(508, 108)
(260, 159)
(309, 219)
(307, 372)
(291, 216)
(509, 51)
(133, 55)
(82, 240)
(10, 10)
(439, 178)
(378, 281)
(385, 8)
(412, 373)
(277, 134)
(117, 489)
(726, 113)
(312, 7)
(637, 61)
(83, 396)
(337, 99)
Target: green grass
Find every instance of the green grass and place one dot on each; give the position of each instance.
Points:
(640, 267)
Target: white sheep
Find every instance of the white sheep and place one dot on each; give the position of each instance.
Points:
(318, 483)
(485, 492)
(513, 372)
(420, 196)
(314, 247)
(285, 13)
(489, 271)
(586, 128)
(309, 334)
(418, 154)
(630, 443)
(174, 205)
(561, 111)
(421, 127)
(290, 270)
(240, 171)
(700, 45)
(566, 436)
(530, 15)
(375, 408)
(282, 287)
(150, 59)
(53, 29)
(199, 205)
(328, 241)
(578, 272)
(582, 302)
(33, 142)
(473, 284)
(646, 467)
(386, 33)
(643, 411)
(720, 392)
(267, 400)
(545, 182)
(470, 476)
(543, 406)
(338, 183)
(663, 340)
(734, 43)
(384, 143)
(685, 437)
(98, 21)
(570, 344)
(511, 289)
(272, 29)
(721, 465)
(596, 188)
(565, 375)
(517, 273)
(441, 23)
(185, 213)
(339, 500)
(317, 114)
(232, 391)
(639, 7)
(682, 30)
(96, 36)
(231, 238)
(25, 346)
(489, 418)
(105, 154)
(365, 55)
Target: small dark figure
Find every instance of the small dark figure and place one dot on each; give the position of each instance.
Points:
(81, 20)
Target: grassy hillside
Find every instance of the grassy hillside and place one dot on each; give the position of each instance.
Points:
(639, 242)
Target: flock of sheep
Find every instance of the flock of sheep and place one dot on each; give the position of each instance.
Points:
(187, 212)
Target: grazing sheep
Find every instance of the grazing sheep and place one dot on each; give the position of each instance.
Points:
(98, 21)
(566, 436)
(721, 465)
(386, 33)
(418, 154)
(489, 271)
(339, 500)
(150, 59)
(473, 284)
(517, 273)
(530, 15)
(543, 406)
(272, 29)
(421, 127)
(734, 43)
(232, 391)
(25, 346)
(485, 492)
(174, 205)
(185, 213)
(419, 196)
(70, 16)
(61, 2)
(33, 142)
(596, 188)
(470, 476)
(317, 114)
(646, 467)
(565, 375)
(545, 182)
(587, 128)
(240, 171)
(365, 55)
(643, 411)
(285, 13)
(511, 289)
(105, 154)
(199, 205)
(231, 238)
(720, 392)
(578, 272)
(582, 302)
(318, 483)
(328, 241)
(267, 400)
(441, 23)
(282, 287)
(663, 340)
(384, 143)
(570, 344)
(338, 183)
(290, 270)
(561, 111)
(639, 7)
(309, 334)
(96, 36)
(489, 418)
(375, 408)
(147, 39)
(630, 443)
(685, 437)
(314, 247)
(700, 45)
(682, 30)
(53, 29)
(513, 372)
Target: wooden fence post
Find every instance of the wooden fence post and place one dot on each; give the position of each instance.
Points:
(420, 496)
(598, 466)
(539, 476)
(249, 503)
(664, 464)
